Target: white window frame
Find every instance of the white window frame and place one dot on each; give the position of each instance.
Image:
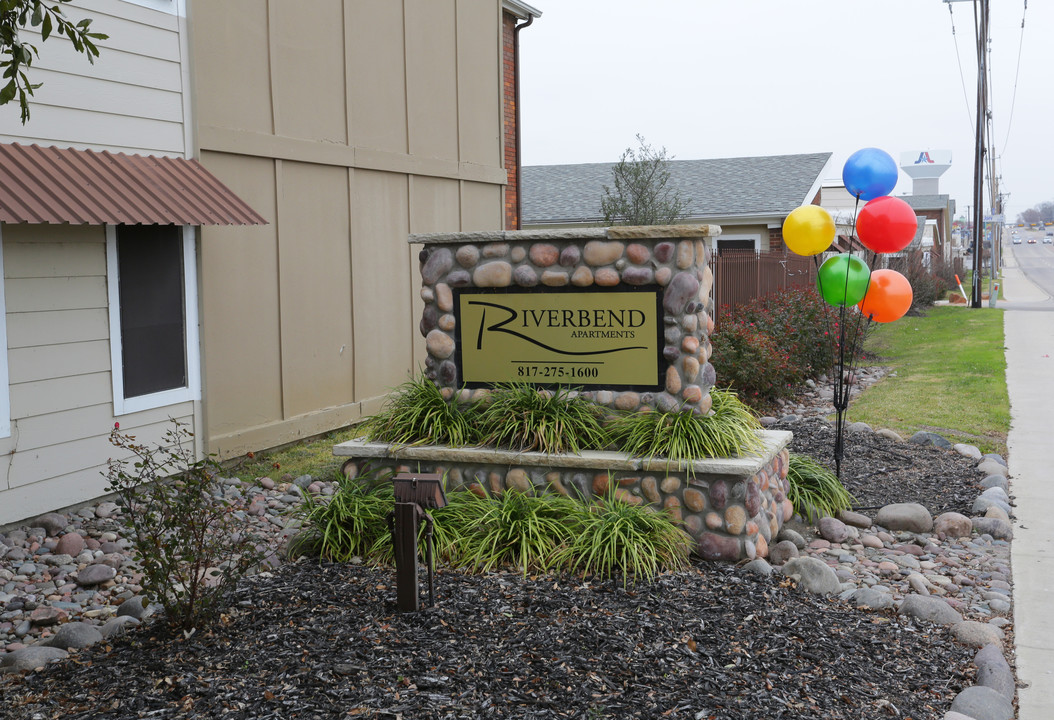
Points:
(5, 385)
(192, 390)
(755, 237)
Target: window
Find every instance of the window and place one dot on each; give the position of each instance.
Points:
(738, 243)
(153, 315)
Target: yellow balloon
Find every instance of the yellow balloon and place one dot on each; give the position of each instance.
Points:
(808, 230)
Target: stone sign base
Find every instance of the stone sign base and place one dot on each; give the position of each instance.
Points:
(732, 507)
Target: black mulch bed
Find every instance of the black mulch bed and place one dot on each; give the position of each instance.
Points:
(324, 641)
(878, 471)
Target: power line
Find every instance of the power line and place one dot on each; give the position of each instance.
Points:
(962, 77)
(1017, 73)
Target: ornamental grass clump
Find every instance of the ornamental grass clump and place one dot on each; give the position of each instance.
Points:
(521, 417)
(730, 430)
(615, 538)
(815, 491)
(350, 523)
(516, 529)
(416, 413)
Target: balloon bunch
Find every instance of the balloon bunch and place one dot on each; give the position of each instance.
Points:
(884, 225)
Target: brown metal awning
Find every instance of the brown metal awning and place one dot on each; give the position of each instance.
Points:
(84, 187)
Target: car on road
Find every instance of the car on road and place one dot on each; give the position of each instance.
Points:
(1047, 240)
(1017, 240)
(1031, 241)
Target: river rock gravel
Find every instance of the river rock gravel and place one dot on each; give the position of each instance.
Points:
(316, 640)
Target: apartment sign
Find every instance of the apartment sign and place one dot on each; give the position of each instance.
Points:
(574, 338)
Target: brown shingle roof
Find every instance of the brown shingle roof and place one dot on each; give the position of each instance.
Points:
(84, 187)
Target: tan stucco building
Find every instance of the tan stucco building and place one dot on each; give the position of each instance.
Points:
(338, 127)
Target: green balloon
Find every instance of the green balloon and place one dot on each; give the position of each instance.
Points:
(843, 280)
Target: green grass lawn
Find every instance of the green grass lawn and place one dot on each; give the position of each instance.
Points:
(950, 377)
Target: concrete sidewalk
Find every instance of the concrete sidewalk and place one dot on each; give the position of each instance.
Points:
(1030, 384)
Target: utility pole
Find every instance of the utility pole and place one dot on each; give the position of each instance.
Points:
(980, 11)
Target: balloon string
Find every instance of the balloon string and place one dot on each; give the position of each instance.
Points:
(826, 309)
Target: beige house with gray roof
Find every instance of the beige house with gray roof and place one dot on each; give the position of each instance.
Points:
(749, 197)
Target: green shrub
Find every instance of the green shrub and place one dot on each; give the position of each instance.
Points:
(521, 417)
(815, 491)
(416, 413)
(614, 538)
(192, 547)
(350, 523)
(799, 321)
(514, 529)
(730, 431)
(768, 347)
(751, 362)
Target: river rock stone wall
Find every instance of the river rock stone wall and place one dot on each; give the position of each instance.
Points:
(672, 258)
(732, 513)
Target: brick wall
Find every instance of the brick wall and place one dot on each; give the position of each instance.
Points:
(509, 92)
(776, 240)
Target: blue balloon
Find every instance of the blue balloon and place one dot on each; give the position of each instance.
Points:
(869, 173)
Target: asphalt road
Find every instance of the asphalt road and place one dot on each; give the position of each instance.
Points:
(1036, 261)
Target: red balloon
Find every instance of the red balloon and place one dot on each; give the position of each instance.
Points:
(886, 224)
(888, 296)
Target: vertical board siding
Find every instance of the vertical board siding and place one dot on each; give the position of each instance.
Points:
(415, 88)
(241, 327)
(317, 346)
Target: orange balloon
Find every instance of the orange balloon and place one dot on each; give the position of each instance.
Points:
(888, 296)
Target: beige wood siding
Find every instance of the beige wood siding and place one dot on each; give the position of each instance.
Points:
(348, 124)
(131, 99)
(59, 371)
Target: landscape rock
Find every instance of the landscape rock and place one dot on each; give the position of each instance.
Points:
(872, 599)
(30, 658)
(69, 544)
(991, 467)
(74, 635)
(983, 703)
(970, 451)
(998, 481)
(981, 505)
(758, 566)
(977, 634)
(783, 551)
(855, 519)
(931, 608)
(928, 438)
(994, 671)
(53, 523)
(905, 516)
(815, 575)
(999, 529)
(832, 529)
(95, 575)
(794, 536)
(117, 626)
(137, 607)
(952, 525)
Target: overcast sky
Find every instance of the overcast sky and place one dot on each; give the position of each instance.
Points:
(716, 78)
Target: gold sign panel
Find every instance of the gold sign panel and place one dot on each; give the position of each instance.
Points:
(608, 339)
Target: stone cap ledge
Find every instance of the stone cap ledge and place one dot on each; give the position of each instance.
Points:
(773, 441)
(622, 232)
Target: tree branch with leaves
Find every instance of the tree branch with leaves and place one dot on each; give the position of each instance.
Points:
(642, 194)
(17, 55)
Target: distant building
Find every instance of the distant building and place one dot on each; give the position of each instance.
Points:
(749, 197)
